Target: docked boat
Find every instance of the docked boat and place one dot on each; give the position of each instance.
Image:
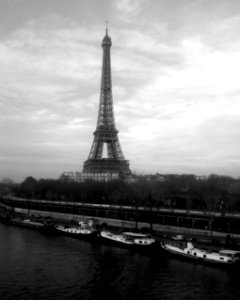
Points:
(28, 223)
(131, 239)
(83, 229)
(186, 249)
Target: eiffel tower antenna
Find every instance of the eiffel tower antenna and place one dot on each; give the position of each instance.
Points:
(106, 26)
(106, 132)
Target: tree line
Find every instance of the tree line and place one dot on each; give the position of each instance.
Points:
(215, 192)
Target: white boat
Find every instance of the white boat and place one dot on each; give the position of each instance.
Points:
(83, 229)
(131, 239)
(187, 249)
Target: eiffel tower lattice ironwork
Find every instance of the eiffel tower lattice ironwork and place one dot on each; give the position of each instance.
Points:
(106, 132)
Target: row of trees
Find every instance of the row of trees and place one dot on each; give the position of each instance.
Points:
(177, 191)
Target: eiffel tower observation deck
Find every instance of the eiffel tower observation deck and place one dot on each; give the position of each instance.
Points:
(106, 134)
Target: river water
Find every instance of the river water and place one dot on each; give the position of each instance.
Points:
(34, 265)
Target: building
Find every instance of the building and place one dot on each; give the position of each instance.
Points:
(114, 166)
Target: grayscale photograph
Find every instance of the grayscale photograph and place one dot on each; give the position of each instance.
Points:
(119, 149)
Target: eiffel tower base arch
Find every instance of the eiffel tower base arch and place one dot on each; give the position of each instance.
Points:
(106, 165)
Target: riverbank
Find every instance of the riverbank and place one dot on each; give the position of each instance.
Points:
(204, 236)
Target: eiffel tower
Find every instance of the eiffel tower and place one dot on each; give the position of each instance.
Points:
(106, 132)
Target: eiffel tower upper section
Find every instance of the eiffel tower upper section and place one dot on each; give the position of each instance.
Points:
(105, 114)
(106, 132)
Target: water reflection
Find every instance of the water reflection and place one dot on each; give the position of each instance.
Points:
(37, 266)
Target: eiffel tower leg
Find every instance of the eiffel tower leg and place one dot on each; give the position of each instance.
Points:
(96, 149)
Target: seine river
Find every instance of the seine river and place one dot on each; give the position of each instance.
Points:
(38, 266)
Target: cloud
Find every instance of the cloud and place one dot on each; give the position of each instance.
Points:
(45, 95)
(127, 9)
(175, 72)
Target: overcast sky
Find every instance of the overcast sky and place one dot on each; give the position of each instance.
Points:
(175, 73)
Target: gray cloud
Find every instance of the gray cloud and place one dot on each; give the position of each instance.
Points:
(175, 69)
